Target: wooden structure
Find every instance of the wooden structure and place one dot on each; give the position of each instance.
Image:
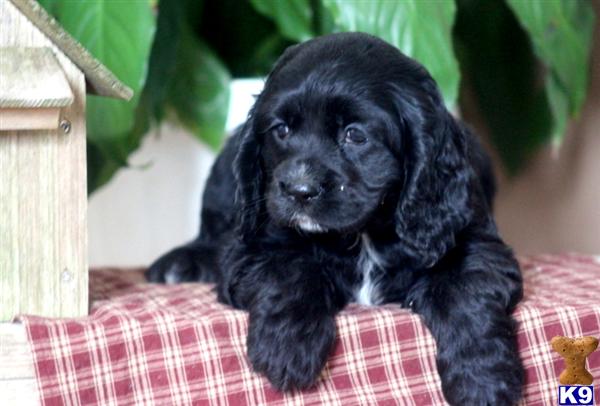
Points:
(17, 373)
(44, 73)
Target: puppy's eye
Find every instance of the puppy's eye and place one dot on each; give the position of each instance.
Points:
(355, 136)
(280, 131)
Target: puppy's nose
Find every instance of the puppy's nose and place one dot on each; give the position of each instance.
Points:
(301, 191)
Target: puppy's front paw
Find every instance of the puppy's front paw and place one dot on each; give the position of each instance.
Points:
(472, 379)
(290, 351)
(175, 266)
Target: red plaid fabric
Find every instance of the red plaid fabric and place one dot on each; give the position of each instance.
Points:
(175, 345)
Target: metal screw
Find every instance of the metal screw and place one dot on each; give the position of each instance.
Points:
(65, 125)
(66, 276)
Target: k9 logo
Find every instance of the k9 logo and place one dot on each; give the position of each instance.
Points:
(575, 395)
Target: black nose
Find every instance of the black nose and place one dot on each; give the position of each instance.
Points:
(301, 191)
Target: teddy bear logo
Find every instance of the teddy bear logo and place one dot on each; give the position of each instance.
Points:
(575, 351)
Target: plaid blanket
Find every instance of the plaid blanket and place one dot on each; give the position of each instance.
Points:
(175, 345)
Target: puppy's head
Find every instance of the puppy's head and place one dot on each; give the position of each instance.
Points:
(346, 122)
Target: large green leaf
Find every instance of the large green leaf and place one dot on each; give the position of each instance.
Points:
(249, 49)
(50, 6)
(294, 18)
(500, 71)
(186, 78)
(119, 34)
(199, 91)
(419, 28)
(163, 57)
(561, 33)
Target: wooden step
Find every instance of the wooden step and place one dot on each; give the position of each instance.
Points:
(17, 375)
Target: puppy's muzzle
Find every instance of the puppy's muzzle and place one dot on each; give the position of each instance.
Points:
(299, 183)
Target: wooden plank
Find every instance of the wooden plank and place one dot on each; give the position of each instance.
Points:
(29, 119)
(43, 243)
(18, 385)
(16, 361)
(32, 77)
(19, 392)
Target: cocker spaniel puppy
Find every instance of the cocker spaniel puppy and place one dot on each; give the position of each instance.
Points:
(351, 182)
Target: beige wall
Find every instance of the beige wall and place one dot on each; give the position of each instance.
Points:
(554, 205)
(154, 205)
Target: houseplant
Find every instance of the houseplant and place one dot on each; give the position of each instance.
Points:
(524, 61)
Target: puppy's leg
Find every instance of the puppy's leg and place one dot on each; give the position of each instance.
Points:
(290, 338)
(292, 307)
(466, 303)
(193, 262)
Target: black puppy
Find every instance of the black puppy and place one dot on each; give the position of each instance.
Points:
(351, 182)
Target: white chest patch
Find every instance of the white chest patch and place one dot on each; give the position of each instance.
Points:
(369, 263)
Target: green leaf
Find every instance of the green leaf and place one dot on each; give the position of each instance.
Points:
(419, 28)
(50, 6)
(186, 78)
(162, 66)
(561, 33)
(199, 90)
(294, 18)
(249, 49)
(500, 72)
(119, 34)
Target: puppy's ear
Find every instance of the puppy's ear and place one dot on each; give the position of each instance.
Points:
(435, 202)
(249, 175)
(247, 165)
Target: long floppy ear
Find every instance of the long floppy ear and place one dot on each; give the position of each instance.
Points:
(247, 166)
(249, 176)
(435, 202)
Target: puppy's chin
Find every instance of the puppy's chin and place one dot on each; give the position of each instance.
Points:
(306, 223)
(312, 225)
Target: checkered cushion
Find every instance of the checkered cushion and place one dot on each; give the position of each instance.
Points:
(175, 345)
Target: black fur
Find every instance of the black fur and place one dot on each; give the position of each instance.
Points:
(350, 162)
